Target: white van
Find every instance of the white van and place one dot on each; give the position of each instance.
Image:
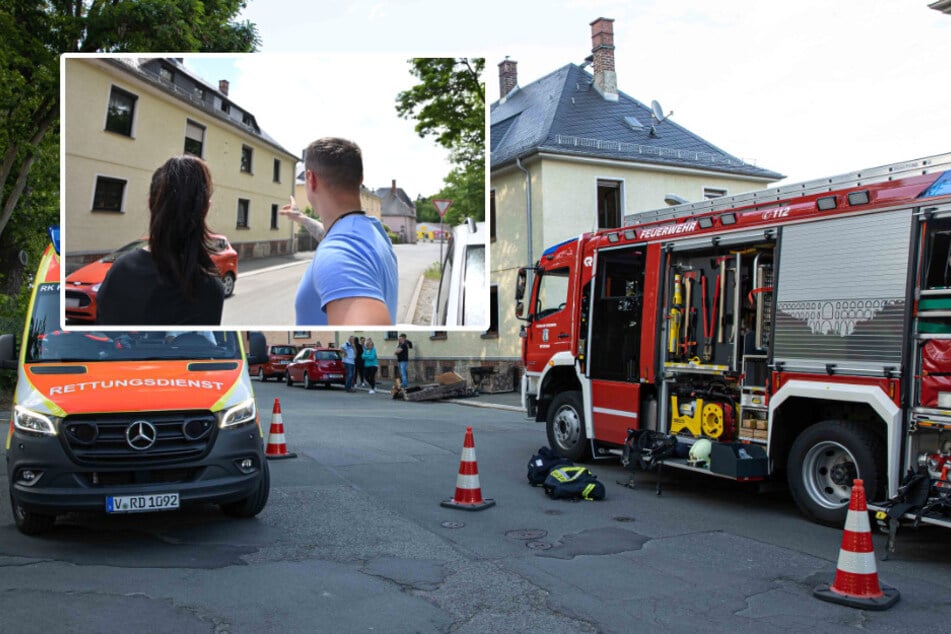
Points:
(463, 296)
(127, 422)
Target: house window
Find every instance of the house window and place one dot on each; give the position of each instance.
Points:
(492, 216)
(225, 107)
(199, 93)
(194, 138)
(109, 194)
(246, 155)
(493, 330)
(165, 73)
(274, 209)
(713, 192)
(246, 119)
(277, 170)
(609, 204)
(244, 211)
(301, 334)
(121, 111)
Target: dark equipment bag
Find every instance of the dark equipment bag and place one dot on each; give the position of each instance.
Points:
(573, 482)
(646, 449)
(541, 465)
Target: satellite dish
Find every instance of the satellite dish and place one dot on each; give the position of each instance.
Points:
(657, 116)
(658, 112)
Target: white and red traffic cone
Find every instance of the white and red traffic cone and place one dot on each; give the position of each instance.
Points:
(856, 578)
(276, 444)
(468, 495)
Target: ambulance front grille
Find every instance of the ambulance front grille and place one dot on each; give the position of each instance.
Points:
(104, 440)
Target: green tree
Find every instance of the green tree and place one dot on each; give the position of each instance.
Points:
(425, 210)
(448, 103)
(33, 35)
(465, 187)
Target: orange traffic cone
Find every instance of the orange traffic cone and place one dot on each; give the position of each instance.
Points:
(856, 579)
(276, 445)
(468, 495)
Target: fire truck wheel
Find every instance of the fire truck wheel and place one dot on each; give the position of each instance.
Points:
(254, 503)
(566, 433)
(28, 522)
(823, 462)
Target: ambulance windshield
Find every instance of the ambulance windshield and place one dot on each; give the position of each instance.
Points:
(48, 342)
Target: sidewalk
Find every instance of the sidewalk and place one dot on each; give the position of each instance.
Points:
(256, 264)
(508, 401)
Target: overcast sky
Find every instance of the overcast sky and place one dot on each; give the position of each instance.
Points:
(299, 97)
(808, 88)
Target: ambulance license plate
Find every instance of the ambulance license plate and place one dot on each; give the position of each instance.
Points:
(141, 503)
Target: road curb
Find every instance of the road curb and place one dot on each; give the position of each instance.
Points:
(414, 298)
(470, 403)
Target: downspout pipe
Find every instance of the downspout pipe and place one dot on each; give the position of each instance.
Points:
(528, 208)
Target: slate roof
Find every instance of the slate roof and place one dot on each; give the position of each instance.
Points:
(146, 70)
(395, 205)
(562, 113)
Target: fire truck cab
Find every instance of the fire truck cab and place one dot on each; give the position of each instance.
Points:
(804, 330)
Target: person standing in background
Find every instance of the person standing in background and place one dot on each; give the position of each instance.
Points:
(403, 347)
(349, 356)
(359, 378)
(371, 363)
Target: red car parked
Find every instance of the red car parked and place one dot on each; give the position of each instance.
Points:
(315, 365)
(277, 359)
(83, 285)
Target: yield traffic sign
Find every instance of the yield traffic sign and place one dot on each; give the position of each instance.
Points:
(442, 204)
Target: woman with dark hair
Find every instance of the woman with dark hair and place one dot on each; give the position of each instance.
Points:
(173, 280)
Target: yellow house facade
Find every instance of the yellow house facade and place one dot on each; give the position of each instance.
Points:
(123, 118)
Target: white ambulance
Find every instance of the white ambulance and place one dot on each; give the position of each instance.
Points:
(127, 422)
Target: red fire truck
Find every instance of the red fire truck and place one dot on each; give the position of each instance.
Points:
(802, 330)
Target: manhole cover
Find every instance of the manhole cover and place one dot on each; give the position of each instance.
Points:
(527, 533)
(538, 545)
(623, 518)
(453, 524)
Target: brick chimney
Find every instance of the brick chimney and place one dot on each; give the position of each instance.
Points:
(223, 85)
(508, 77)
(602, 50)
(393, 187)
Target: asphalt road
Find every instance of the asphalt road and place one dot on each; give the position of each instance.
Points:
(354, 539)
(265, 289)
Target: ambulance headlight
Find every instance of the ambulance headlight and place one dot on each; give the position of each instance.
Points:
(33, 422)
(240, 414)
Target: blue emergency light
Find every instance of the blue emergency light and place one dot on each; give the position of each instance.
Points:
(54, 238)
(940, 187)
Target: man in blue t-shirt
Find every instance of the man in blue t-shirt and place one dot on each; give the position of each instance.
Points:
(349, 358)
(353, 278)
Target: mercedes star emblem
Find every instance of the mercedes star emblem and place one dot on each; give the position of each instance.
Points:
(141, 435)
